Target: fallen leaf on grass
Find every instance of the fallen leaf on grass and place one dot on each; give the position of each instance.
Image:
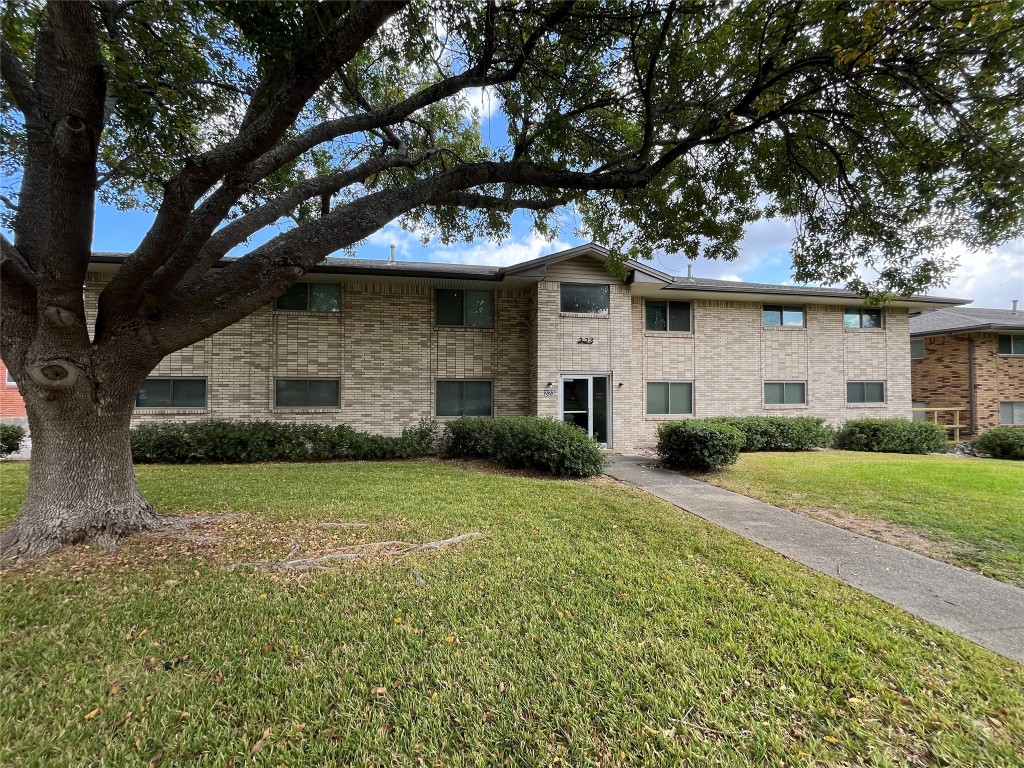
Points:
(260, 744)
(93, 714)
(380, 690)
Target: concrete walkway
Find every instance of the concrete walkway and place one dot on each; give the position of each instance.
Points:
(985, 611)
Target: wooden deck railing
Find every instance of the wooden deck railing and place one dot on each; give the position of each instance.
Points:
(956, 426)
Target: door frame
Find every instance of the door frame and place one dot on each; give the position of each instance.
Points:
(591, 375)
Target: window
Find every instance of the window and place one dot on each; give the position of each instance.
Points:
(862, 317)
(779, 315)
(311, 297)
(1011, 343)
(1011, 413)
(474, 309)
(668, 316)
(669, 397)
(10, 379)
(463, 398)
(785, 393)
(917, 349)
(306, 393)
(865, 391)
(172, 393)
(585, 299)
(919, 415)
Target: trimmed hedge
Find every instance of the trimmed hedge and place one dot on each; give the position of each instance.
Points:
(891, 436)
(780, 433)
(526, 442)
(700, 444)
(1002, 443)
(11, 436)
(242, 442)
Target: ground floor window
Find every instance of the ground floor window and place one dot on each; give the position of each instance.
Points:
(307, 393)
(1011, 343)
(669, 397)
(865, 392)
(172, 393)
(919, 415)
(1011, 413)
(464, 398)
(785, 393)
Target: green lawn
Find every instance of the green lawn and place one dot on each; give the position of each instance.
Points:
(970, 511)
(591, 625)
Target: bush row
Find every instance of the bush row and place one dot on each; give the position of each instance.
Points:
(241, 442)
(11, 436)
(706, 444)
(1002, 443)
(525, 442)
(522, 442)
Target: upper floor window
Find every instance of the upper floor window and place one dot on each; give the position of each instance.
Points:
(172, 393)
(785, 393)
(667, 316)
(1011, 413)
(311, 297)
(862, 317)
(464, 398)
(474, 309)
(585, 299)
(10, 379)
(917, 349)
(780, 315)
(307, 393)
(1011, 343)
(865, 392)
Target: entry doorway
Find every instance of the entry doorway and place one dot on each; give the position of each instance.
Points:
(585, 403)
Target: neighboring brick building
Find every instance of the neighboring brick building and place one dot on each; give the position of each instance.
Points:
(972, 358)
(379, 345)
(12, 407)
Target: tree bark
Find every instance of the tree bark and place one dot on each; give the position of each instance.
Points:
(82, 485)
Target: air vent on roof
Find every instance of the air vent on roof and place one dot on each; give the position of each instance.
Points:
(392, 259)
(1014, 302)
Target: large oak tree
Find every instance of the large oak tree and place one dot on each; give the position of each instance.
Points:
(885, 130)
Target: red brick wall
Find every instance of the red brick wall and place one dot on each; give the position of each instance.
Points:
(11, 404)
(941, 379)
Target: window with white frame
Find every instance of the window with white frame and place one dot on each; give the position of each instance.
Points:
(311, 297)
(776, 315)
(1011, 413)
(858, 392)
(665, 316)
(918, 414)
(472, 309)
(460, 397)
(785, 393)
(862, 317)
(10, 379)
(917, 349)
(585, 299)
(171, 393)
(307, 393)
(669, 398)
(1011, 343)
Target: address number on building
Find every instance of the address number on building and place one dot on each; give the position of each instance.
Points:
(585, 340)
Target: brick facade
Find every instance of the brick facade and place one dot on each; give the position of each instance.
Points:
(387, 354)
(12, 406)
(941, 379)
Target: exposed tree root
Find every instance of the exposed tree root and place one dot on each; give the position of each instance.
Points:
(357, 552)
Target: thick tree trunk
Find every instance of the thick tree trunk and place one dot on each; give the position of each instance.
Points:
(81, 481)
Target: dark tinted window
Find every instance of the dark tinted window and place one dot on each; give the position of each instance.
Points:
(307, 393)
(585, 299)
(172, 393)
(464, 398)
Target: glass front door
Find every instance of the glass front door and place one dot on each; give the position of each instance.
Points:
(585, 404)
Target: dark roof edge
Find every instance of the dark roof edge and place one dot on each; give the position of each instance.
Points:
(969, 329)
(834, 293)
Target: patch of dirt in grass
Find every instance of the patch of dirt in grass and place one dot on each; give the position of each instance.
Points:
(220, 542)
(883, 530)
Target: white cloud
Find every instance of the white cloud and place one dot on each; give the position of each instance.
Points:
(990, 278)
(486, 100)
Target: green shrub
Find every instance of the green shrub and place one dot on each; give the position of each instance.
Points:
(891, 436)
(11, 436)
(526, 442)
(699, 444)
(780, 433)
(238, 442)
(1002, 443)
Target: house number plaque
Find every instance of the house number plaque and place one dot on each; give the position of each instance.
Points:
(585, 340)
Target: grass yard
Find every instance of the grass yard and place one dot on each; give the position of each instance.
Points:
(969, 512)
(591, 625)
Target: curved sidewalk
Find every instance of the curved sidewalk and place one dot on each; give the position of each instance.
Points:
(980, 609)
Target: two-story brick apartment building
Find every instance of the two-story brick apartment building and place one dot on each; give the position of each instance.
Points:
(379, 345)
(970, 358)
